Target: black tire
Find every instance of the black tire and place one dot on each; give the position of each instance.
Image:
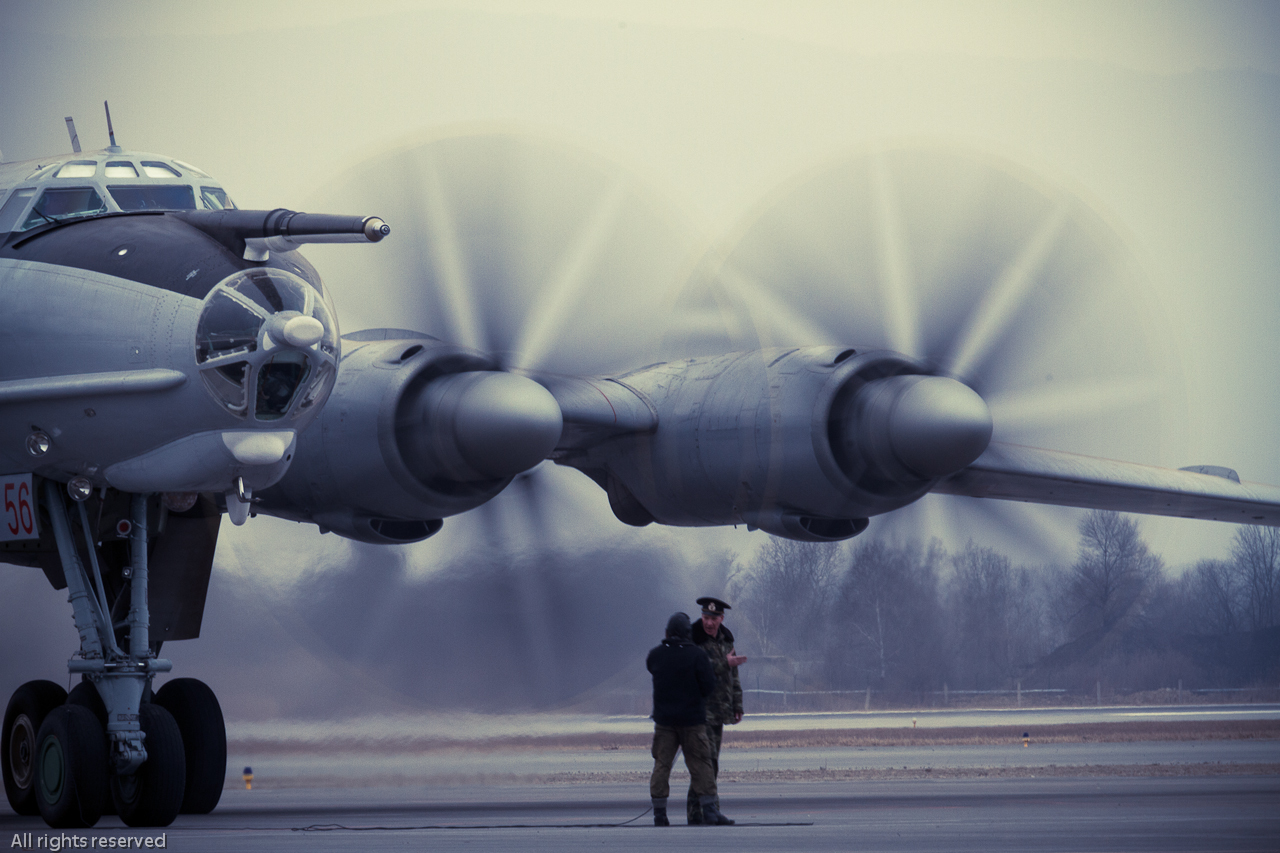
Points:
(204, 740)
(26, 711)
(153, 795)
(71, 768)
(86, 695)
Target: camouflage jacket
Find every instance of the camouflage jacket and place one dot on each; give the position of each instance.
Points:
(726, 700)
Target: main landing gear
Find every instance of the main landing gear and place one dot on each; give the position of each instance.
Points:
(112, 745)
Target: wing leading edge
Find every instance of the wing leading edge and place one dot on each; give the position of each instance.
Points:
(1014, 472)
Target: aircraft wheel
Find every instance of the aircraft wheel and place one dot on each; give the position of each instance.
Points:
(26, 711)
(71, 768)
(204, 740)
(86, 695)
(153, 795)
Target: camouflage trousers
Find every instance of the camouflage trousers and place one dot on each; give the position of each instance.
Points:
(693, 808)
(667, 740)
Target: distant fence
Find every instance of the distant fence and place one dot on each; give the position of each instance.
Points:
(766, 700)
(848, 699)
(771, 700)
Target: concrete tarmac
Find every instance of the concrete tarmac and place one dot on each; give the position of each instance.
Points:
(1169, 815)
(470, 727)
(350, 768)
(1211, 796)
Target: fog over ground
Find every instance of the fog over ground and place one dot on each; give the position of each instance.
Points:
(1162, 117)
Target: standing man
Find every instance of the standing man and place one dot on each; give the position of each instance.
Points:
(682, 680)
(724, 707)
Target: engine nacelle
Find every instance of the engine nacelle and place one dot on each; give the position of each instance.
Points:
(415, 430)
(803, 443)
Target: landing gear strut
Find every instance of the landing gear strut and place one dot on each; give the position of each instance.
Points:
(111, 743)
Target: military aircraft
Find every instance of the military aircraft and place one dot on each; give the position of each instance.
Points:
(166, 357)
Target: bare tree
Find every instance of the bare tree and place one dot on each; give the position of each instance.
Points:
(1211, 593)
(785, 594)
(996, 613)
(886, 625)
(1255, 556)
(1113, 570)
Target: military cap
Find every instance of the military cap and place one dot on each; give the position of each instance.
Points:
(714, 606)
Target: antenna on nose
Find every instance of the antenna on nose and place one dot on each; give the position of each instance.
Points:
(111, 131)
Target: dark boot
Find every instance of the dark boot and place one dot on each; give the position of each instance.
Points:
(711, 815)
(693, 810)
(660, 812)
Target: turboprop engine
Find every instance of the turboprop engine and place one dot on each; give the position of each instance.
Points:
(803, 443)
(415, 430)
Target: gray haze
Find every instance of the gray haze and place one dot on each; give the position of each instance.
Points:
(1162, 117)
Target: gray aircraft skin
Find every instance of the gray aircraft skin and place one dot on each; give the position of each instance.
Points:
(166, 358)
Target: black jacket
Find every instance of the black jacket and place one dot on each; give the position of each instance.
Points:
(682, 680)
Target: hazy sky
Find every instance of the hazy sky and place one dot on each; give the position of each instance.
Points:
(1162, 36)
(1162, 116)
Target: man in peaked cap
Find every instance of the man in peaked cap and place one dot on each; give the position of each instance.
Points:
(724, 705)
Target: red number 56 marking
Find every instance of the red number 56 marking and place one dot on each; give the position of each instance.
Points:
(18, 520)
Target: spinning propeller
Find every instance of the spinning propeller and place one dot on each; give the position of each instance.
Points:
(534, 252)
(1023, 310)
(991, 277)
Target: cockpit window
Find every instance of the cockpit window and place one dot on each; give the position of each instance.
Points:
(216, 198)
(120, 169)
(198, 172)
(153, 197)
(14, 206)
(63, 203)
(156, 169)
(77, 169)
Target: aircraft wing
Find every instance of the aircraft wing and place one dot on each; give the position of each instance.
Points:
(1014, 472)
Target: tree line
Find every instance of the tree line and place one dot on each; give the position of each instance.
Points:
(914, 618)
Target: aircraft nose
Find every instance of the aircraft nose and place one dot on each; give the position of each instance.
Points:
(938, 425)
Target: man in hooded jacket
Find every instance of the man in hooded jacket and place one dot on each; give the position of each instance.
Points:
(682, 680)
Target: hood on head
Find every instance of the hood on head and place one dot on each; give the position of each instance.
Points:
(679, 627)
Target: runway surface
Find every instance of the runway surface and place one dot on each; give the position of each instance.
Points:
(435, 750)
(1170, 815)
(470, 727)
(497, 766)
(1207, 795)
